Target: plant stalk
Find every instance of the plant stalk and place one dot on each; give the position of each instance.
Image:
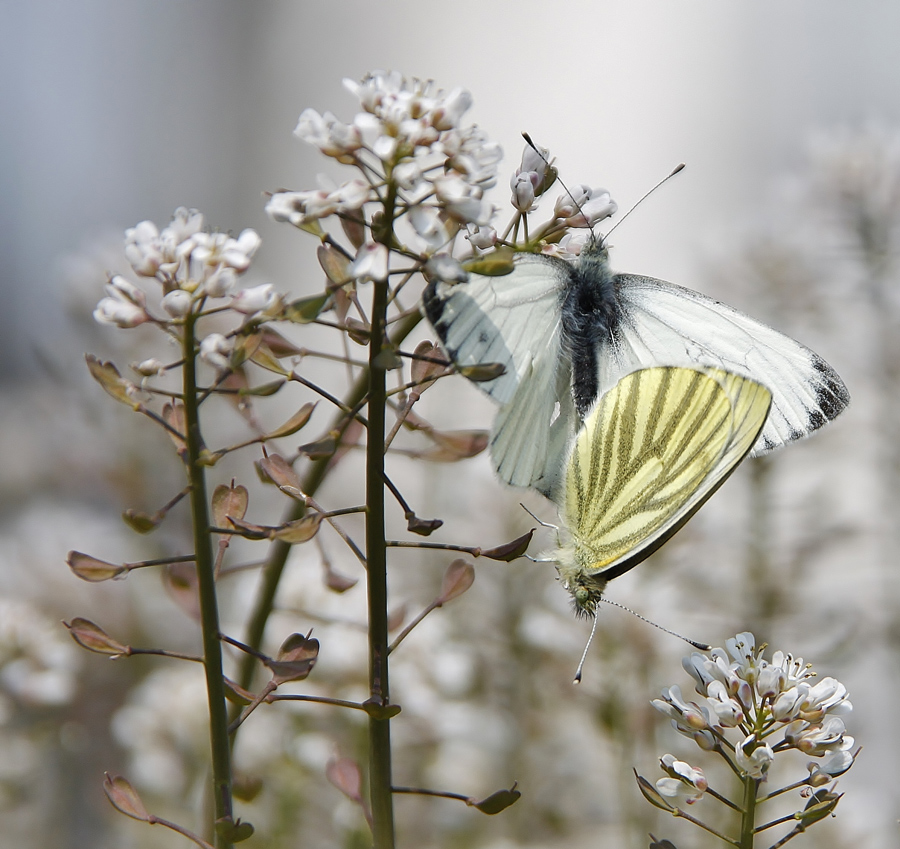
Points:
(748, 812)
(380, 778)
(209, 613)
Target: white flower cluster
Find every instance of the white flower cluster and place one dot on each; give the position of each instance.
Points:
(758, 700)
(38, 664)
(191, 266)
(409, 136)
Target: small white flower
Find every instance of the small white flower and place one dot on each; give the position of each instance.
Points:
(429, 225)
(816, 739)
(482, 237)
(254, 300)
(120, 287)
(827, 696)
(684, 782)
(220, 282)
(215, 349)
(462, 200)
(177, 303)
(143, 248)
(752, 758)
(184, 224)
(522, 192)
(835, 763)
(371, 262)
(770, 680)
(120, 312)
(728, 710)
(331, 136)
(350, 195)
(448, 113)
(534, 161)
(444, 267)
(407, 174)
(149, 368)
(686, 716)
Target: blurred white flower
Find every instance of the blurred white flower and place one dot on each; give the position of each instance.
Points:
(38, 664)
(256, 299)
(215, 349)
(120, 312)
(150, 367)
(371, 262)
(482, 237)
(445, 267)
(177, 303)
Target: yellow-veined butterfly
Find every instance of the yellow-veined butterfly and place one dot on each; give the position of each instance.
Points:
(566, 333)
(650, 453)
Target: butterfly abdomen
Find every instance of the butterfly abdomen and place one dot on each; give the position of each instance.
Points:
(589, 315)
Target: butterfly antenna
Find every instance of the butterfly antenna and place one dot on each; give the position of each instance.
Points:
(694, 643)
(679, 167)
(559, 179)
(584, 653)
(536, 519)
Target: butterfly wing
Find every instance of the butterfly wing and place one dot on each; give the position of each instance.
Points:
(514, 319)
(661, 323)
(651, 451)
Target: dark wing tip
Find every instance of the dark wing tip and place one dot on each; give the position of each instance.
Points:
(832, 395)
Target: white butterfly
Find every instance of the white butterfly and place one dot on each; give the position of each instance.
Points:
(566, 333)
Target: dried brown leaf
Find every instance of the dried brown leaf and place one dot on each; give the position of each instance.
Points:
(94, 638)
(107, 375)
(460, 575)
(91, 569)
(296, 659)
(229, 501)
(124, 797)
(279, 471)
(294, 423)
(511, 550)
(300, 530)
(335, 264)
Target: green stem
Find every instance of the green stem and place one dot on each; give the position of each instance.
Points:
(278, 551)
(209, 613)
(748, 812)
(376, 581)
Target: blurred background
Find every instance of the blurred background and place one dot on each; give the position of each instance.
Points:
(788, 117)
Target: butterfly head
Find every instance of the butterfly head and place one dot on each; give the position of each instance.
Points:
(585, 586)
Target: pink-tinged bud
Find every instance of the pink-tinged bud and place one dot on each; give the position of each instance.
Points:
(120, 313)
(254, 300)
(522, 192)
(119, 286)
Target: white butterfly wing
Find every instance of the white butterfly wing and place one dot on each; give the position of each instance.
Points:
(661, 323)
(514, 319)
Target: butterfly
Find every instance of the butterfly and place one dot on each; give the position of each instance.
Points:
(565, 333)
(650, 453)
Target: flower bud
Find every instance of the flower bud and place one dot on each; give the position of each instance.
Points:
(177, 303)
(254, 300)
